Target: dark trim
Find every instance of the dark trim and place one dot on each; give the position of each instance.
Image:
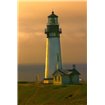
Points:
(48, 78)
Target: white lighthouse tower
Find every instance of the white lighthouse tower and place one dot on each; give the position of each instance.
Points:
(53, 49)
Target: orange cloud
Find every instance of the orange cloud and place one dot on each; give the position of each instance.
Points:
(32, 20)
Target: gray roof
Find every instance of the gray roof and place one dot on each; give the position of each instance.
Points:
(71, 71)
(67, 72)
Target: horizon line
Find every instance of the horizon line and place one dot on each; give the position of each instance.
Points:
(62, 64)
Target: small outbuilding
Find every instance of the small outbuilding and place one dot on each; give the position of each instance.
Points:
(69, 76)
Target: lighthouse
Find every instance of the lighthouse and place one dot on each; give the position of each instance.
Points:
(53, 49)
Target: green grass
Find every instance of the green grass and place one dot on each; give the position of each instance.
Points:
(32, 94)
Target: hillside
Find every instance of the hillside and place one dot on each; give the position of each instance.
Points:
(32, 94)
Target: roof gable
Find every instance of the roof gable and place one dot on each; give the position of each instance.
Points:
(58, 72)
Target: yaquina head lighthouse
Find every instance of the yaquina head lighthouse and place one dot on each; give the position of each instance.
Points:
(53, 48)
(53, 60)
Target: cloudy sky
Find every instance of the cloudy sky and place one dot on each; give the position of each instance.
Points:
(32, 20)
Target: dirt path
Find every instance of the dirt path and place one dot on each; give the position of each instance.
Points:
(28, 102)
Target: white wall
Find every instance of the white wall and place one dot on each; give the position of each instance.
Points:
(52, 49)
(65, 80)
(75, 79)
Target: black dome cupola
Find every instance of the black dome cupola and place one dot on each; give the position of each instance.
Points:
(52, 15)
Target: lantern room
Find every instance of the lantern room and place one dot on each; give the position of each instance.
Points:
(52, 19)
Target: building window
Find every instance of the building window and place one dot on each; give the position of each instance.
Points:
(58, 78)
(55, 78)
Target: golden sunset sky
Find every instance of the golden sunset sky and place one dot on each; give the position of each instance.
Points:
(32, 20)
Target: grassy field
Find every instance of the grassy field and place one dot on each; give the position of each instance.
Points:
(38, 94)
